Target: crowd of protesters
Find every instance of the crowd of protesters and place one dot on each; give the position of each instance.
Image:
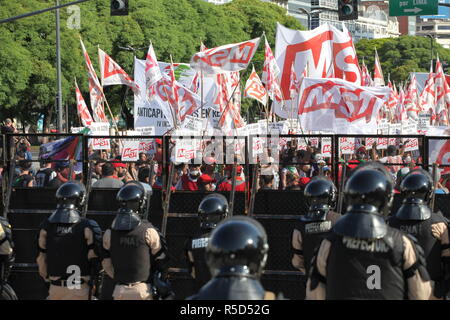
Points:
(297, 164)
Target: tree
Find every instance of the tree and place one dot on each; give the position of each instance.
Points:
(27, 56)
(400, 56)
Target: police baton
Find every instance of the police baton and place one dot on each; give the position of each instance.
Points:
(341, 193)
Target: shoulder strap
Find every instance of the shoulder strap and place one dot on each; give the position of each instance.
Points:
(420, 261)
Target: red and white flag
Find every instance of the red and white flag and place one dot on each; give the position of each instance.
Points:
(442, 95)
(231, 57)
(152, 72)
(393, 100)
(255, 89)
(95, 89)
(339, 106)
(378, 78)
(82, 109)
(401, 114)
(271, 73)
(112, 73)
(412, 99)
(295, 83)
(427, 100)
(231, 113)
(366, 80)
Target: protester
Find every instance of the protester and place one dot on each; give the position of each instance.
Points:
(108, 179)
(25, 178)
(62, 174)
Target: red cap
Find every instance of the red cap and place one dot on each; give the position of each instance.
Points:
(352, 164)
(119, 165)
(205, 179)
(158, 141)
(229, 167)
(304, 181)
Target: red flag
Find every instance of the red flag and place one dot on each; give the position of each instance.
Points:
(378, 73)
(271, 72)
(82, 109)
(442, 95)
(95, 89)
(111, 73)
(231, 57)
(366, 80)
(255, 89)
(152, 72)
(412, 99)
(295, 83)
(428, 97)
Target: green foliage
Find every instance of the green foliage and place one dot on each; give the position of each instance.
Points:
(28, 54)
(400, 56)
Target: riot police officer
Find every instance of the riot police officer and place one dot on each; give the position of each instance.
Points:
(430, 229)
(364, 258)
(212, 209)
(134, 250)
(6, 260)
(236, 255)
(312, 227)
(69, 247)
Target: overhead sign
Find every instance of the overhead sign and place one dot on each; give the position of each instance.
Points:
(413, 7)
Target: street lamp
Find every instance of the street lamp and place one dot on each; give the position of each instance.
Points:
(432, 37)
(313, 11)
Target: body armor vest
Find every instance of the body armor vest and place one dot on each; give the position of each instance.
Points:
(66, 246)
(312, 233)
(130, 254)
(421, 230)
(366, 269)
(198, 247)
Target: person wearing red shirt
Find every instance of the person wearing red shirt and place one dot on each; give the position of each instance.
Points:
(189, 180)
(240, 181)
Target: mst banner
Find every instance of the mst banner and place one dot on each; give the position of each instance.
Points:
(324, 52)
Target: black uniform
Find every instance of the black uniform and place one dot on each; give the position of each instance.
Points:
(364, 257)
(236, 255)
(314, 225)
(415, 217)
(131, 252)
(212, 209)
(64, 235)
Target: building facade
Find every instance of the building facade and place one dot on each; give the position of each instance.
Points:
(435, 28)
(373, 21)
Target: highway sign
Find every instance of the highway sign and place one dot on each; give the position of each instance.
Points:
(413, 7)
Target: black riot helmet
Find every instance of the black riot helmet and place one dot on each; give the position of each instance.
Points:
(321, 196)
(417, 184)
(133, 199)
(237, 246)
(212, 209)
(417, 189)
(70, 198)
(370, 185)
(368, 195)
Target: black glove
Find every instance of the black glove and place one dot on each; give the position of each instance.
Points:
(162, 288)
